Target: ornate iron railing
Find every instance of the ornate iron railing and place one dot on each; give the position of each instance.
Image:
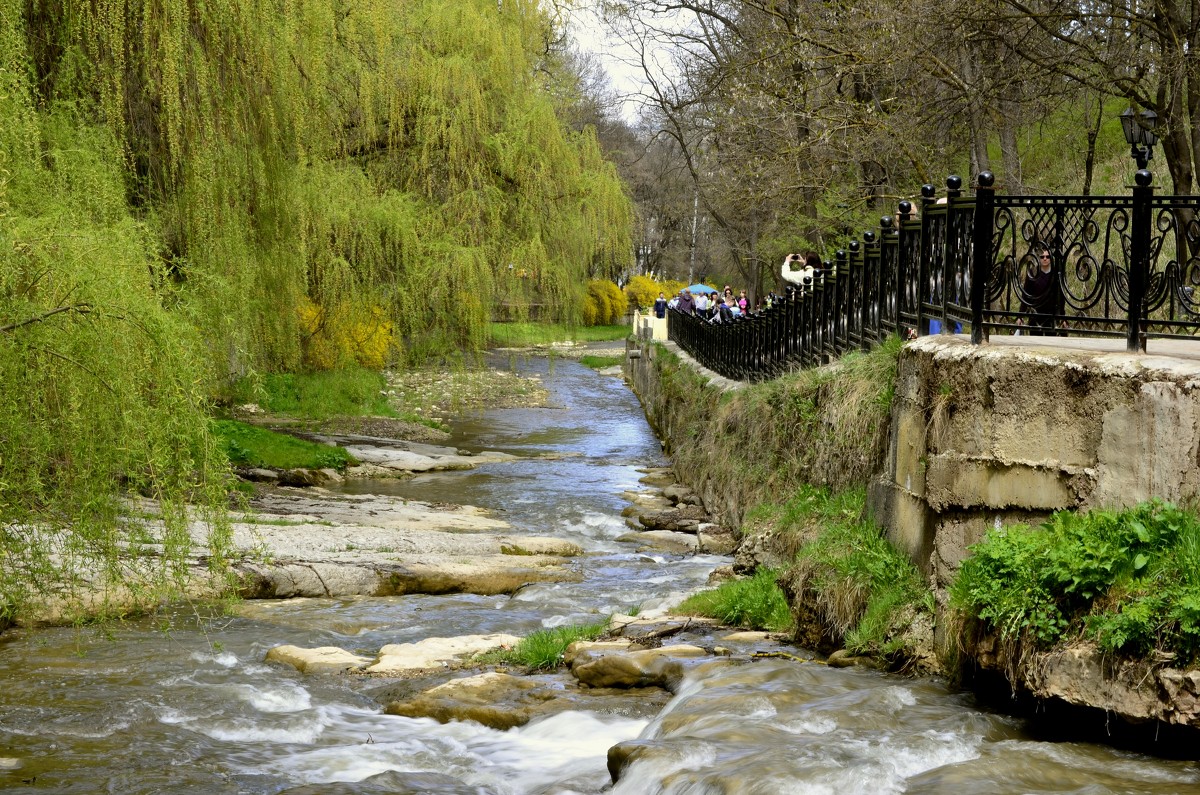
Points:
(1120, 266)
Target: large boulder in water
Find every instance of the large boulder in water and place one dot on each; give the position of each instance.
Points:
(662, 667)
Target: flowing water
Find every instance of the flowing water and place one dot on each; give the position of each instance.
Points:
(188, 706)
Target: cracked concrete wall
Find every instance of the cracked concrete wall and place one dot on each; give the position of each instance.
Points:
(997, 434)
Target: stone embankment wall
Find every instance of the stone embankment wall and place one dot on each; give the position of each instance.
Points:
(989, 435)
(1007, 432)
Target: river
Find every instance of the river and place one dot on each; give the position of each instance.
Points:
(183, 703)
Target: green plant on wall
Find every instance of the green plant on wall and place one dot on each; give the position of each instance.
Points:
(1129, 580)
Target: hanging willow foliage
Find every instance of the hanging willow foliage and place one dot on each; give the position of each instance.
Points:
(366, 156)
(195, 189)
(101, 387)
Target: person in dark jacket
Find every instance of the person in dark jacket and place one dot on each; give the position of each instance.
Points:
(686, 305)
(1042, 296)
(660, 306)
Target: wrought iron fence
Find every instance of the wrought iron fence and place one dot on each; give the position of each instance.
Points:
(1123, 266)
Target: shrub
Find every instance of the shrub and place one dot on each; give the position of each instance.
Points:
(604, 304)
(642, 291)
(340, 336)
(1127, 579)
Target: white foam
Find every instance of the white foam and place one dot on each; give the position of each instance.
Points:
(281, 697)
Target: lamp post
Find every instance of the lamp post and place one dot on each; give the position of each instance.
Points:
(1139, 134)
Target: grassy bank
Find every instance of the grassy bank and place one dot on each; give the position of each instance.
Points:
(841, 584)
(788, 460)
(825, 427)
(523, 335)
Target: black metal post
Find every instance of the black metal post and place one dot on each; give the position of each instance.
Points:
(1139, 259)
(949, 250)
(981, 261)
(864, 310)
(928, 193)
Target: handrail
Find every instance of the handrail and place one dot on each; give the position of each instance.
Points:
(1120, 266)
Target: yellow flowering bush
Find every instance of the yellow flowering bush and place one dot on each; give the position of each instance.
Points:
(337, 337)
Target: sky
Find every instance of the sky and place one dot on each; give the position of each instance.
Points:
(589, 33)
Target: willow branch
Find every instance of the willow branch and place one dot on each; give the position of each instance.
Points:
(82, 309)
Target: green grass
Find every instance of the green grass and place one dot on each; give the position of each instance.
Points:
(600, 362)
(863, 584)
(333, 393)
(519, 335)
(755, 602)
(545, 648)
(249, 445)
(1130, 580)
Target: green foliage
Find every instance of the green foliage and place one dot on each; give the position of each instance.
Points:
(600, 362)
(104, 388)
(252, 446)
(193, 191)
(520, 335)
(336, 393)
(756, 602)
(864, 587)
(1129, 579)
(545, 648)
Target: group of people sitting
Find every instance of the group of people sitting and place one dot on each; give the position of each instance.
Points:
(712, 306)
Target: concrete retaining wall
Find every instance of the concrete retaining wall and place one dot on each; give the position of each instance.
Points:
(1010, 432)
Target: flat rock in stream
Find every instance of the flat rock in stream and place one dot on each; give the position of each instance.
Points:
(323, 660)
(486, 576)
(400, 659)
(379, 461)
(502, 701)
(313, 542)
(663, 540)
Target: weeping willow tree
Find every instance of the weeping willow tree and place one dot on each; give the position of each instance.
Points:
(355, 158)
(101, 386)
(194, 189)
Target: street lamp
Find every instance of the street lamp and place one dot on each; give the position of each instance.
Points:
(1139, 134)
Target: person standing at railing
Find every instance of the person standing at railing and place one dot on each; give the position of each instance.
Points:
(686, 304)
(660, 306)
(1041, 296)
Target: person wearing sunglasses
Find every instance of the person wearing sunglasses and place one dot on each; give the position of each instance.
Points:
(1041, 295)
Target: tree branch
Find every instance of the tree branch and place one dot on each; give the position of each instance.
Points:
(82, 309)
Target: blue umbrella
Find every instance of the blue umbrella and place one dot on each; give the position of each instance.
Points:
(701, 288)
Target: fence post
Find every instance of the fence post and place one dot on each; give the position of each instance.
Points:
(888, 240)
(1139, 259)
(928, 194)
(864, 310)
(981, 249)
(902, 266)
(949, 250)
(844, 285)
